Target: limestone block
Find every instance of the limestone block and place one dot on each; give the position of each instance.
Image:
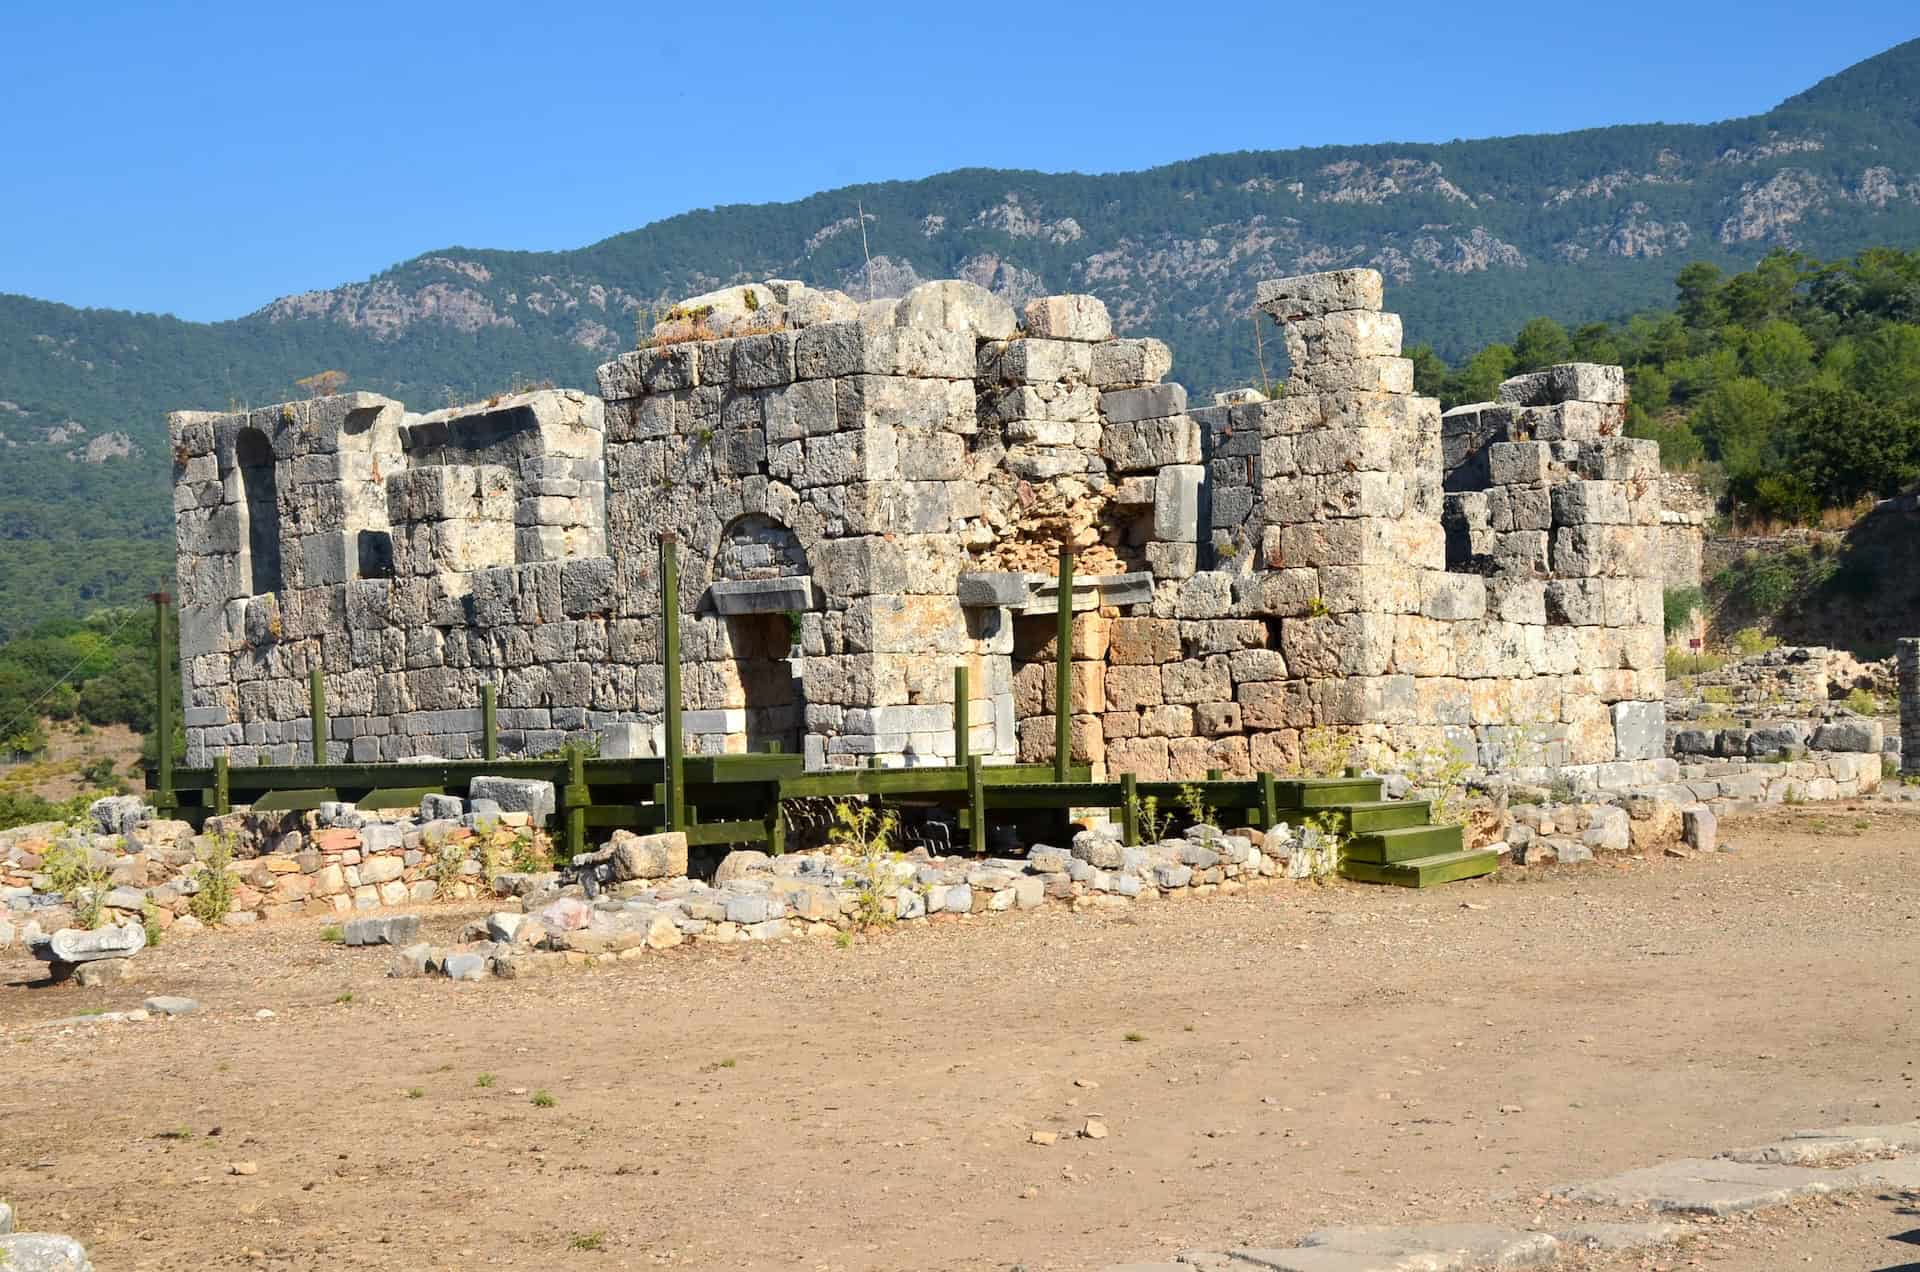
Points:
(1176, 502)
(1144, 445)
(1071, 317)
(1311, 295)
(1586, 382)
(1144, 642)
(1173, 561)
(1147, 758)
(957, 306)
(1119, 363)
(1338, 645)
(1533, 388)
(1129, 687)
(894, 401)
(1197, 680)
(1157, 401)
(1207, 594)
(1343, 336)
(1590, 503)
(1519, 463)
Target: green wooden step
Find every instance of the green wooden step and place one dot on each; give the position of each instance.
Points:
(1405, 844)
(1388, 814)
(1329, 792)
(294, 801)
(1424, 872)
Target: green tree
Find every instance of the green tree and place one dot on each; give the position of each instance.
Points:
(1737, 421)
(1778, 354)
(1846, 445)
(1479, 380)
(1699, 284)
(1541, 343)
(1429, 370)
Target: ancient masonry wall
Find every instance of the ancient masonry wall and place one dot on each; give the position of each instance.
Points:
(866, 497)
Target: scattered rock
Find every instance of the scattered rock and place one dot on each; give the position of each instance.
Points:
(1043, 1137)
(243, 1168)
(164, 1005)
(1094, 1129)
(385, 929)
(42, 1252)
(106, 971)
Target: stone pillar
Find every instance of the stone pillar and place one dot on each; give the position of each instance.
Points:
(1907, 661)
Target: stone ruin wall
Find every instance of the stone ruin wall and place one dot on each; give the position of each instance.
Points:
(867, 496)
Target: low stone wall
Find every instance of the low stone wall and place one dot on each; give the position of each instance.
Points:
(645, 902)
(334, 861)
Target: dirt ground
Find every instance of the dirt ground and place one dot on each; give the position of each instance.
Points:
(1292, 1058)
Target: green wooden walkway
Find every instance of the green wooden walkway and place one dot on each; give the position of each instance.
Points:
(744, 799)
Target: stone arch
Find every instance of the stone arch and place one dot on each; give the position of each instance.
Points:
(260, 488)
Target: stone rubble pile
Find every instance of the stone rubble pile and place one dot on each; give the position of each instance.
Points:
(643, 900)
(334, 861)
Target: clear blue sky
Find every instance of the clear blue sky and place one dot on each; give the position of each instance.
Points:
(203, 158)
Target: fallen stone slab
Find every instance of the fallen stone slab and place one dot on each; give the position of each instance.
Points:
(1903, 1173)
(43, 1252)
(166, 1005)
(1440, 1247)
(1622, 1236)
(1810, 1148)
(1709, 1187)
(386, 929)
(516, 795)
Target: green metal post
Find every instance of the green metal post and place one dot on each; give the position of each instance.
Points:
(164, 800)
(1269, 802)
(577, 799)
(960, 695)
(976, 807)
(1215, 775)
(317, 693)
(1063, 671)
(1129, 810)
(670, 677)
(222, 787)
(489, 729)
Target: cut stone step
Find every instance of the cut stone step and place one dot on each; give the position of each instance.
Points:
(1424, 872)
(1405, 844)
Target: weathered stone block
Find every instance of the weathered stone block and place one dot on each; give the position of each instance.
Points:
(1310, 295)
(1072, 317)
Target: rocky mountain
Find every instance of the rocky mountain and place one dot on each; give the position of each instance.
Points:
(1474, 236)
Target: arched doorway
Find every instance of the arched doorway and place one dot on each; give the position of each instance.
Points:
(762, 589)
(253, 456)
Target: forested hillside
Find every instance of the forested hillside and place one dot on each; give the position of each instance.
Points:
(1797, 382)
(1475, 237)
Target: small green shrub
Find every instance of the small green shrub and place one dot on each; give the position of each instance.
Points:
(1863, 702)
(484, 1081)
(1682, 663)
(542, 1100)
(70, 868)
(862, 835)
(1679, 605)
(1193, 798)
(333, 934)
(595, 1240)
(1749, 641)
(1147, 818)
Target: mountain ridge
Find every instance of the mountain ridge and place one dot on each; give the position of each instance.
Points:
(1474, 236)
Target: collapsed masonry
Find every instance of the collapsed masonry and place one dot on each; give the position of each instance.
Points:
(866, 497)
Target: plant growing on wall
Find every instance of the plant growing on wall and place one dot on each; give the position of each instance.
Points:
(862, 835)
